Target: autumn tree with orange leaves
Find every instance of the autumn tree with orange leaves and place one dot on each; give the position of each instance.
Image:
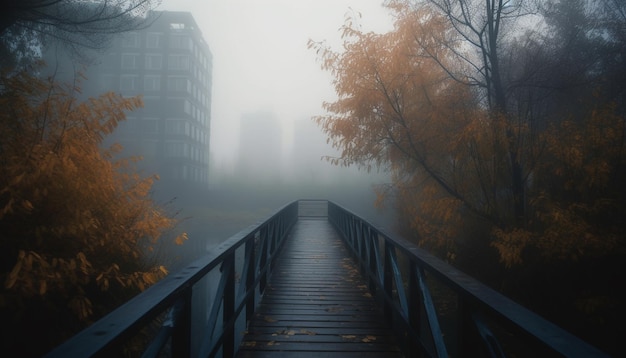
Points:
(399, 108)
(507, 152)
(408, 104)
(75, 225)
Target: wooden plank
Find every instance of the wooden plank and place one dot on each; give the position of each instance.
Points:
(316, 321)
(318, 346)
(297, 310)
(295, 336)
(314, 354)
(317, 304)
(336, 331)
(313, 208)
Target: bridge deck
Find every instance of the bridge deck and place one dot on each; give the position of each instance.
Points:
(317, 304)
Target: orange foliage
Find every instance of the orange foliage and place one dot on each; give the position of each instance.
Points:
(399, 108)
(576, 202)
(73, 224)
(457, 164)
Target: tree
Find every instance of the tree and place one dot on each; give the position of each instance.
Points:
(422, 102)
(27, 24)
(399, 108)
(482, 25)
(565, 77)
(75, 226)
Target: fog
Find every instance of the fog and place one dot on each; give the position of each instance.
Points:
(266, 87)
(268, 172)
(261, 61)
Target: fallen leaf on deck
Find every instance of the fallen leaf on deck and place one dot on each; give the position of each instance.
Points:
(368, 339)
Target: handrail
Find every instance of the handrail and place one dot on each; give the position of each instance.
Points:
(481, 316)
(174, 295)
(399, 275)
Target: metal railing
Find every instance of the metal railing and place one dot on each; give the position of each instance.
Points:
(437, 310)
(434, 309)
(240, 281)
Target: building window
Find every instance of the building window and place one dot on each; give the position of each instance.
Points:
(178, 83)
(178, 62)
(177, 26)
(130, 40)
(152, 83)
(180, 42)
(176, 126)
(187, 107)
(153, 40)
(128, 83)
(154, 62)
(129, 61)
(176, 150)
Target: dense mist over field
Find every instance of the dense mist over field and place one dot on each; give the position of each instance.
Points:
(275, 165)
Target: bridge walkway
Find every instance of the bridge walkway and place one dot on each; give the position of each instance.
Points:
(316, 303)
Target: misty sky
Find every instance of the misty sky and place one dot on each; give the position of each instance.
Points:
(260, 57)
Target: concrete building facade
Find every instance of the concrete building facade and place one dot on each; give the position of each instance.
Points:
(170, 65)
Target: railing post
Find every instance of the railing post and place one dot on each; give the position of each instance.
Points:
(263, 260)
(359, 242)
(272, 229)
(373, 262)
(415, 304)
(181, 334)
(430, 313)
(229, 307)
(388, 284)
(250, 278)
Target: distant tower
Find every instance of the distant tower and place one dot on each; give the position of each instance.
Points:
(170, 64)
(309, 147)
(260, 148)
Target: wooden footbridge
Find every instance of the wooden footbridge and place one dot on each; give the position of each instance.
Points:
(315, 280)
(317, 303)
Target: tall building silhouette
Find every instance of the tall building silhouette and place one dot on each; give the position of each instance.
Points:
(170, 65)
(260, 148)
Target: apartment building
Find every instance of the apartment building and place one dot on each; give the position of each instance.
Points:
(169, 63)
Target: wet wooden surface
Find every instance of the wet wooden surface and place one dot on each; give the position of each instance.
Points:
(317, 304)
